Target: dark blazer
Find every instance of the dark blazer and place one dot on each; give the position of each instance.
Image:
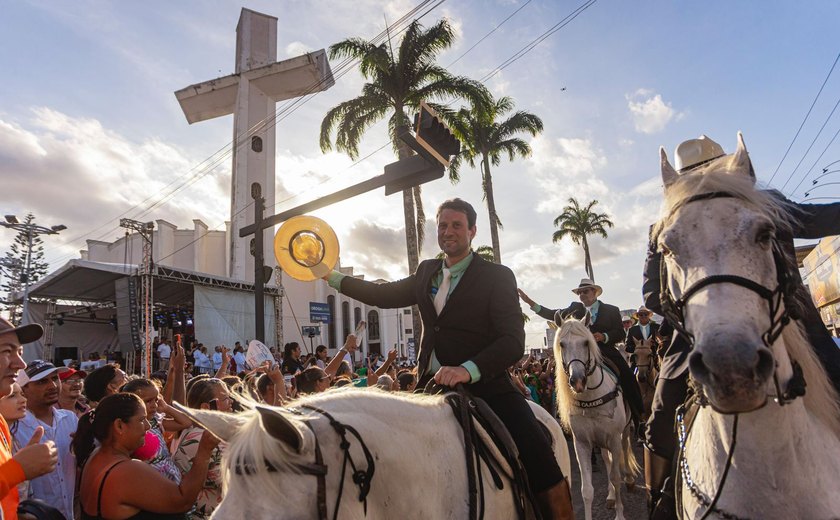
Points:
(481, 322)
(636, 332)
(608, 321)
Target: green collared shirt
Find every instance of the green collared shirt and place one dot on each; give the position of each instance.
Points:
(457, 270)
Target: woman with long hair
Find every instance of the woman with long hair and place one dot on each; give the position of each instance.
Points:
(207, 394)
(116, 487)
(13, 408)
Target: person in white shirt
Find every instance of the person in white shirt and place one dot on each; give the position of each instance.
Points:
(164, 351)
(41, 385)
(239, 358)
(202, 360)
(217, 358)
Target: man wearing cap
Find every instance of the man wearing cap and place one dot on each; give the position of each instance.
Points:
(646, 328)
(40, 382)
(605, 325)
(70, 395)
(35, 458)
(473, 331)
(814, 221)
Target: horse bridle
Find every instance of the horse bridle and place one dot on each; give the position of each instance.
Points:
(362, 478)
(781, 298)
(588, 365)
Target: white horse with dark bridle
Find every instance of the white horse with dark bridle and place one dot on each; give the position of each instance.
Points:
(591, 405)
(406, 456)
(757, 448)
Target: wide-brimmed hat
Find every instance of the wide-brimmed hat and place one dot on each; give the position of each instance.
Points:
(627, 318)
(306, 248)
(641, 309)
(37, 370)
(586, 283)
(696, 152)
(25, 333)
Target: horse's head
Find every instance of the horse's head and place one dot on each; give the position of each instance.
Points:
(268, 450)
(642, 359)
(577, 351)
(718, 243)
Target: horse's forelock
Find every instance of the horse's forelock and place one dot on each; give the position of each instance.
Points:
(574, 327)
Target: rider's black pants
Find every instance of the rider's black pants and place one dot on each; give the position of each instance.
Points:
(669, 395)
(626, 379)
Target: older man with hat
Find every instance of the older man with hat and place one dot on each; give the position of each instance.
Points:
(812, 221)
(41, 384)
(605, 325)
(34, 458)
(644, 329)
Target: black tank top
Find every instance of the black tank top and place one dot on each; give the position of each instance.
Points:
(141, 515)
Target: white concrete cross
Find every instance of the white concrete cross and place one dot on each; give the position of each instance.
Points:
(250, 94)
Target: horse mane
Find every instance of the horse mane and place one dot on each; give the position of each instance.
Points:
(565, 397)
(821, 398)
(252, 443)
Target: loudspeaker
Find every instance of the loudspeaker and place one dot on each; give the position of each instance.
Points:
(62, 353)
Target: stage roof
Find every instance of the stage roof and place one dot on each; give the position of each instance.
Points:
(85, 280)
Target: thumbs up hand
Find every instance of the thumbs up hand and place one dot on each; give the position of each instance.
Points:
(37, 458)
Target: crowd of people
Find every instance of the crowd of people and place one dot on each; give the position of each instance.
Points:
(79, 442)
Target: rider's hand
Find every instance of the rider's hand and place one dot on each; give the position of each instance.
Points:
(451, 376)
(525, 298)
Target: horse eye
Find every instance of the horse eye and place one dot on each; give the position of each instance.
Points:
(765, 236)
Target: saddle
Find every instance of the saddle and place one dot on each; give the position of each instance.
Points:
(487, 441)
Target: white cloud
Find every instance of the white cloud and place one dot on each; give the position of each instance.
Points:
(649, 112)
(297, 48)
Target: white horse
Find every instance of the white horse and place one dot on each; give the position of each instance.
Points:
(414, 441)
(590, 404)
(726, 276)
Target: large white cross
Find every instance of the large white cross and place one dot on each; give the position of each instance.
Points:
(250, 94)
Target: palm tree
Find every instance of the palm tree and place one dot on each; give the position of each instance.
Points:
(485, 252)
(397, 83)
(486, 138)
(576, 223)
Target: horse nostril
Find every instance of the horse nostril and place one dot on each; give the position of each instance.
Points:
(696, 366)
(766, 364)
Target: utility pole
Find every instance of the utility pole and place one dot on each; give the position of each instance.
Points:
(32, 230)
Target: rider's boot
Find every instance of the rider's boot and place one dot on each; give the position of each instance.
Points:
(657, 469)
(556, 502)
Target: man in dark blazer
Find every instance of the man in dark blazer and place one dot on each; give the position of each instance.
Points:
(473, 331)
(605, 325)
(644, 329)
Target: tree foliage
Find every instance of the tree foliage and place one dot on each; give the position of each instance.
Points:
(577, 223)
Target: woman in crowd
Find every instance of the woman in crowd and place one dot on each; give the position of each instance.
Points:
(154, 450)
(407, 381)
(291, 359)
(320, 359)
(115, 486)
(207, 394)
(70, 395)
(313, 380)
(13, 408)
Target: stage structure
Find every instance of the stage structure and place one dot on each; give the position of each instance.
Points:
(145, 299)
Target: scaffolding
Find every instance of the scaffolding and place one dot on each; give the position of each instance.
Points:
(145, 297)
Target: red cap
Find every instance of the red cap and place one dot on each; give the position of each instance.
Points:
(70, 372)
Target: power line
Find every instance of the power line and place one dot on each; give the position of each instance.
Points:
(827, 119)
(816, 161)
(488, 34)
(539, 39)
(806, 118)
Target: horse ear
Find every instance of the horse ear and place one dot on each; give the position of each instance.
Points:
(281, 428)
(587, 318)
(669, 174)
(558, 318)
(222, 425)
(741, 159)
(637, 342)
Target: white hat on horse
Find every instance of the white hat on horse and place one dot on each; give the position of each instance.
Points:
(696, 152)
(586, 283)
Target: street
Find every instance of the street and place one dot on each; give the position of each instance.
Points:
(635, 507)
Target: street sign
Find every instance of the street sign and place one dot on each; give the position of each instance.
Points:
(310, 331)
(319, 312)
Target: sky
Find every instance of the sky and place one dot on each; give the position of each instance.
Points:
(90, 129)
